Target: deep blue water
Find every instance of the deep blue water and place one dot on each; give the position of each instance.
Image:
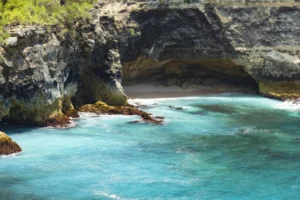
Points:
(218, 147)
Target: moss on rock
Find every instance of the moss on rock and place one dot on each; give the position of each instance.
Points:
(72, 113)
(7, 145)
(283, 90)
(58, 120)
(102, 108)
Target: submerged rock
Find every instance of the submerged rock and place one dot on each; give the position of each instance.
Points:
(7, 145)
(159, 117)
(135, 122)
(176, 108)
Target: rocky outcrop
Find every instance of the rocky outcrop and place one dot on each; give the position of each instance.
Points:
(7, 145)
(44, 74)
(102, 108)
(251, 45)
(279, 76)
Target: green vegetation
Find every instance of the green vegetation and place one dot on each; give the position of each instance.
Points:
(132, 32)
(42, 12)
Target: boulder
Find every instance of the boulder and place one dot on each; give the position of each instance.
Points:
(7, 145)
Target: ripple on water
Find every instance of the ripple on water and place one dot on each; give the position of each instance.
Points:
(217, 147)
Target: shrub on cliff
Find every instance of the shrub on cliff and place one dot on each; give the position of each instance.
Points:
(42, 12)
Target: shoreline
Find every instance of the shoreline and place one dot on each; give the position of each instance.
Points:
(150, 91)
(139, 91)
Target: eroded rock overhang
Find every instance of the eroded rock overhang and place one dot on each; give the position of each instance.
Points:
(253, 36)
(222, 74)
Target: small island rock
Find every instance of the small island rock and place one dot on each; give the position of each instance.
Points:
(7, 145)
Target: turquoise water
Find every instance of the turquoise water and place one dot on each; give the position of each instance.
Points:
(218, 147)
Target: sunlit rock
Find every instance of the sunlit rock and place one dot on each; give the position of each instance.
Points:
(7, 145)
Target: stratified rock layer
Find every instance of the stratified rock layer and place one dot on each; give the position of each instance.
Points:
(7, 145)
(252, 45)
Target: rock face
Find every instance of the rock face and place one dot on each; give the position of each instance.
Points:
(45, 74)
(7, 145)
(249, 44)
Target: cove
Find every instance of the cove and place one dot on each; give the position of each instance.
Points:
(215, 147)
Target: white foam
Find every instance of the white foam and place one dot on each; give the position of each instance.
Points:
(105, 194)
(84, 115)
(231, 93)
(72, 124)
(88, 114)
(156, 100)
(11, 155)
(288, 105)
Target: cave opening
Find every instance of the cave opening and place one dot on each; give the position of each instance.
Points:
(189, 74)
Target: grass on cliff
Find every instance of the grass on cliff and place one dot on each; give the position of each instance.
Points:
(42, 12)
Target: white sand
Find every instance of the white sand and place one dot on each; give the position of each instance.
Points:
(146, 91)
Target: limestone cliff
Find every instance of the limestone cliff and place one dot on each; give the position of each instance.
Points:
(249, 44)
(244, 43)
(44, 73)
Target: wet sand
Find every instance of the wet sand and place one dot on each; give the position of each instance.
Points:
(146, 91)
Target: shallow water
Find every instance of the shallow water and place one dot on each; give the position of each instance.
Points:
(218, 147)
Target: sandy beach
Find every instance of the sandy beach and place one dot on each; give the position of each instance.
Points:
(146, 91)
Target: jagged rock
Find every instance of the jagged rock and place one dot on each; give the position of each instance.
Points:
(11, 41)
(46, 73)
(7, 145)
(102, 108)
(280, 65)
(176, 108)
